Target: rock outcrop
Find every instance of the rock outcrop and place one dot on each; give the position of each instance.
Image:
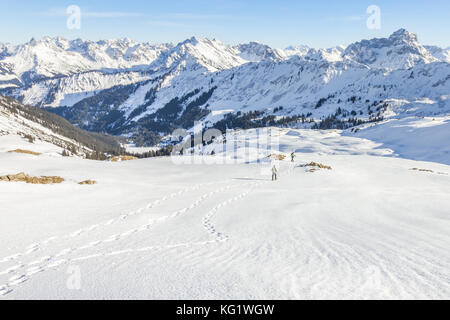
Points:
(22, 177)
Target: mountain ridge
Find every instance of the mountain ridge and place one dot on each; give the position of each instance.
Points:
(164, 86)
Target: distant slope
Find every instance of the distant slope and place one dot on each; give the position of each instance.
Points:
(35, 124)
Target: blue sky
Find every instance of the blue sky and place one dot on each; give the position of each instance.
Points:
(317, 23)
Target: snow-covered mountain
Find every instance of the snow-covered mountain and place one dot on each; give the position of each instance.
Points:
(439, 53)
(122, 87)
(401, 50)
(28, 128)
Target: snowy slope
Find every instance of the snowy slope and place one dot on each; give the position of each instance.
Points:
(439, 53)
(423, 139)
(18, 132)
(371, 228)
(32, 129)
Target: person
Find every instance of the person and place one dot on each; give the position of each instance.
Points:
(292, 156)
(274, 173)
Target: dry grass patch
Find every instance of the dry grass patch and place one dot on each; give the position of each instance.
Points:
(25, 152)
(318, 165)
(428, 170)
(87, 182)
(422, 170)
(279, 157)
(123, 158)
(22, 177)
(314, 166)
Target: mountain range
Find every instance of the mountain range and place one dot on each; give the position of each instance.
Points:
(127, 88)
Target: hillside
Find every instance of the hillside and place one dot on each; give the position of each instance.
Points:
(31, 127)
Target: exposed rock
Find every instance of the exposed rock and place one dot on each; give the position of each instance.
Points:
(22, 177)
(422, 170)
(317, 165)
(25, 152)
(87, 182)
(279, 157)
(429, 171)
(123, 158)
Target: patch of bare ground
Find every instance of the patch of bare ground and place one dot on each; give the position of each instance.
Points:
(22, 177)
(87, 182)
(279, 157)
(122, 158)
(314, 166)
(427, 170)
(25, 152)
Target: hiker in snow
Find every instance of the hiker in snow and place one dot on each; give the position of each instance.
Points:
(274, 173)
(292, 156)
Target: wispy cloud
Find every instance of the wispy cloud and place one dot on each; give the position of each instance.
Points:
(61, 12)
(166, 19)
(200, 16)
(114, 14)
(351, 18)
(166, 23)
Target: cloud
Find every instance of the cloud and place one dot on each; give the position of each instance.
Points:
(167, 19)
(346, 18)
(62, 12)
(114, 14)
(165, 23)
(353, 18)
(195, 16)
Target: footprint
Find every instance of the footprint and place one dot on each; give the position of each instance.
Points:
(116, 253)
(41, 260)
(32, 249)
(11, 269)
(76, 233)
(110, 222)
(126, 234)
(33, 271)
(12, 257)
(64, 252)
(49, 240)
(94, 243)
(57, 263)
(112, 238)
(4, 291)
(92, 228)
(146, 227)
(17, 279)
(88, 257)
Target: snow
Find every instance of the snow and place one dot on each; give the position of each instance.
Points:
(216, 227)
(131, 148)
(13, 142)
(371, 228)
(423, 139)
(56, 72)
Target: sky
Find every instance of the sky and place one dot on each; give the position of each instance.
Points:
(278, 23)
